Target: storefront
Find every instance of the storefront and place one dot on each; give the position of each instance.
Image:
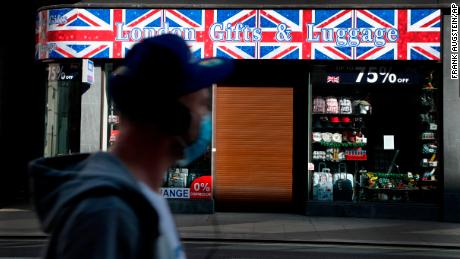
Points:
(329, 111)
(375, 140)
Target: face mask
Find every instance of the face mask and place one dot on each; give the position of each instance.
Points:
(200, 145)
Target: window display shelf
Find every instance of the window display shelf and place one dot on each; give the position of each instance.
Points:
(340, 145)
(427, 181)
(389, 189)
(340, 114)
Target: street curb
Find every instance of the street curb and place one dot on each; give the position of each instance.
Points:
(23, 237)
(313, 242)
(274, 241)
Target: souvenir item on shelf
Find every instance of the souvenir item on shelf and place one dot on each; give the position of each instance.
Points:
(426, 100)
(433, 126)
(361, 107)
(332, 105)
(322, 183)
(346, 119)
(429, 148)
(319, 105)
(326, 136)
(427, 175)
(114, 135)
(429, 86)
(333, 154)
(360, 138)
(337, 137)
(334, 119)
(425, 162)
(428, 135)
(427, 118)
(319, 155)
(345, 106)
(341, 156)
(355, 154)
(317, 137)
(433, 163)
(343, 184)
(113, 119)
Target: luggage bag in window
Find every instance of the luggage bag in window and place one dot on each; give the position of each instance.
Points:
(343, 184)
(322, 183)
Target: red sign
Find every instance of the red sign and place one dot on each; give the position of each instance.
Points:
(201, 188)
(114, 135)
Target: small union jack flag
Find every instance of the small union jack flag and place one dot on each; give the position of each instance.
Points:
(333, 79)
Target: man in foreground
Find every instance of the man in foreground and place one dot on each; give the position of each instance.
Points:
(107, 204)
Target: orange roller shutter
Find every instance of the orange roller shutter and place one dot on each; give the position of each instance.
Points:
(253, 134)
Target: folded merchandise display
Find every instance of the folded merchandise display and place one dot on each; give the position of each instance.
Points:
(340, 105)
(332, 105)
(338, 142)
(340, 146)
(345, 106)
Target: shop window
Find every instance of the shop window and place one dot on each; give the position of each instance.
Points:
(63, 108)
(375, 135)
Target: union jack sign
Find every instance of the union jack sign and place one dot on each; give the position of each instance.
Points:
(333, 79)
(401, 34)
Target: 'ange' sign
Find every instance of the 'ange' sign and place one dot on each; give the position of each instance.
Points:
(175, 193)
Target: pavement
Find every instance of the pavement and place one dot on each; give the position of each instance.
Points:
(21, 221)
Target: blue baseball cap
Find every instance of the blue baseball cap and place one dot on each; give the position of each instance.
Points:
(160, 69)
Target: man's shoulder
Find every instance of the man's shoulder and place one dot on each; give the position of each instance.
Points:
(115, 203)
(103, 203)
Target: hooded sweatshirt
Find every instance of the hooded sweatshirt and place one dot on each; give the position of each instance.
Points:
(92, 207)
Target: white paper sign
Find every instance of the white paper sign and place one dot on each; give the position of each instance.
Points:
(311, 167)
(388, 142)
(88, 71)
